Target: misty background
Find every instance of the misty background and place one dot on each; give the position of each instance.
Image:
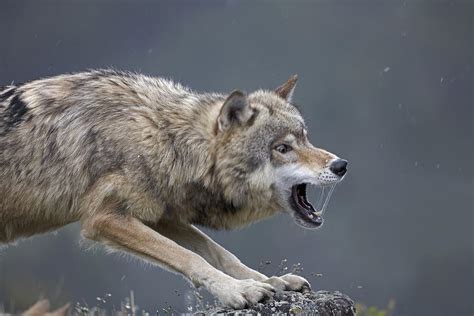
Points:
(387, 85)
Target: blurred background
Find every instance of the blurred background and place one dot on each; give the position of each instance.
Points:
(387, 85)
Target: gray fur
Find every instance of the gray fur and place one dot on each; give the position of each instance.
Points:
(60, 135)
(107, 148)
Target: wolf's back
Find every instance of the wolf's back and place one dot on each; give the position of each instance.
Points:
(11, 108)
(52, 142)
(60, 135)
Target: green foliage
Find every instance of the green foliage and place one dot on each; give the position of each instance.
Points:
(363, 310)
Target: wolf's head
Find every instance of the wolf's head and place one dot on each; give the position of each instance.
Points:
(264, 154)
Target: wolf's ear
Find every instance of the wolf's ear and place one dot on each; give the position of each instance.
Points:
(235, 110)
(286, 90)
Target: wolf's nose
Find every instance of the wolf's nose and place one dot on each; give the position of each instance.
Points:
(339, 167)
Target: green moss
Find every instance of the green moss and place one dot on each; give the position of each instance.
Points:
(363, 310)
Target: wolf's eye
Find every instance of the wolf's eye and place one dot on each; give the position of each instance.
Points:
(283, 148)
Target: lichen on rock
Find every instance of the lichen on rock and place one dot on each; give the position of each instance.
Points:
(320, 303)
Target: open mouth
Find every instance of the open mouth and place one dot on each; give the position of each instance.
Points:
(304, 209)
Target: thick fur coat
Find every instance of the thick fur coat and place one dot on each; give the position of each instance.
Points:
(139, 160)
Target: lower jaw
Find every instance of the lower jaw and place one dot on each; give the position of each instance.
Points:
(308, 225)
(303, 220)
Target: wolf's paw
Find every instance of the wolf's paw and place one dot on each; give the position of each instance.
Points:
(289, 282)
(243, 293)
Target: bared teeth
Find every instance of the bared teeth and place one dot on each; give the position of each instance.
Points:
(301, 204)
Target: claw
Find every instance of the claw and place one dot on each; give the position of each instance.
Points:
(306, 288)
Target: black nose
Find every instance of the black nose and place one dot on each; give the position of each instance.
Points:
(339, 167)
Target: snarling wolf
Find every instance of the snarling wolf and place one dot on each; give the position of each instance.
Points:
(139, 161)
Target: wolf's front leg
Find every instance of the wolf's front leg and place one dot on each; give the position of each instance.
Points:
(193, 239)
(131, 235)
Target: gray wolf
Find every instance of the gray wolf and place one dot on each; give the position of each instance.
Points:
(139, 161)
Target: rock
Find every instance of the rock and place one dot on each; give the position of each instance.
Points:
(321, 303)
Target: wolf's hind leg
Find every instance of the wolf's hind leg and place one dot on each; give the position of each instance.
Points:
(130, 234)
